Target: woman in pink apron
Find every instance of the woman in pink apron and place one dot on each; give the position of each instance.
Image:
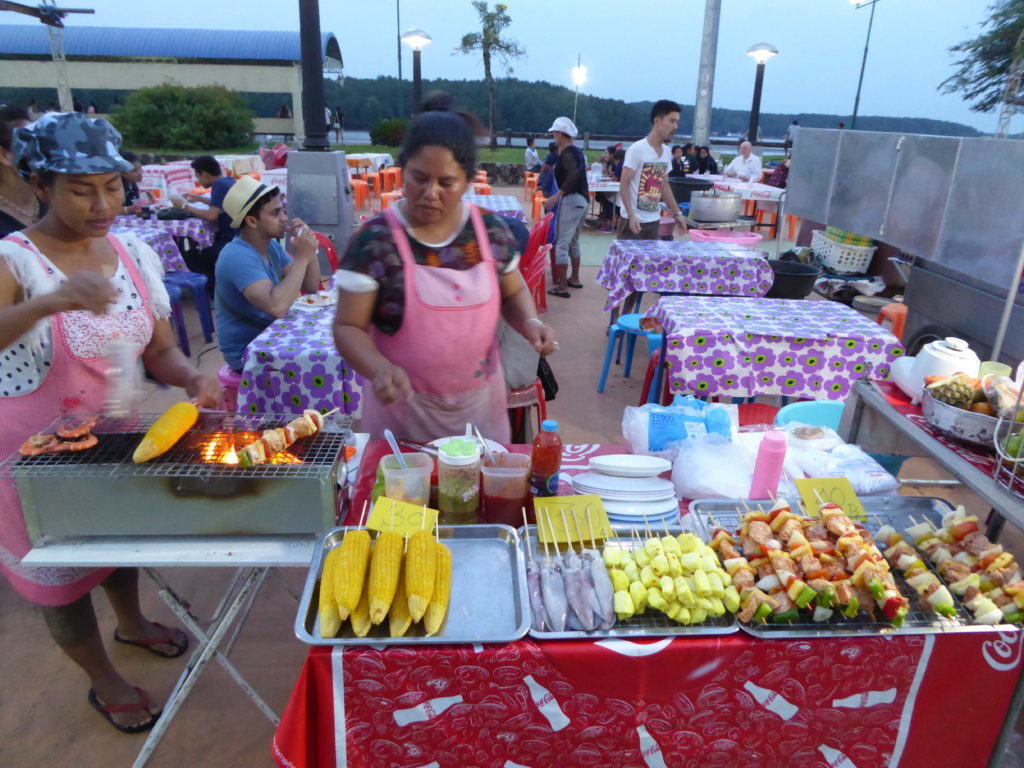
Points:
(67, 288)
(422, 289)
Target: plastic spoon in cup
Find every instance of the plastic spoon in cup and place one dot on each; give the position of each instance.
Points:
(487, 450)
(390, 437)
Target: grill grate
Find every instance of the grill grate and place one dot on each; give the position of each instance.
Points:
(918, 620)
(198, 453)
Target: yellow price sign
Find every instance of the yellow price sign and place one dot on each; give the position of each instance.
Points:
(816, 491)
(556, 513)
(400, 516)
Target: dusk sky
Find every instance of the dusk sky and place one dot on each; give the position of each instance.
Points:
(642, 49)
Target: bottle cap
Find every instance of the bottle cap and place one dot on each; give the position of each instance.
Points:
(458, 451)
(549, 425)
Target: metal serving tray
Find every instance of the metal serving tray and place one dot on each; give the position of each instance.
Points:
(891, 510)
(651, 623)
(488, 602)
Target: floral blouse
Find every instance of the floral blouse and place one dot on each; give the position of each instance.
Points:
(372, 254)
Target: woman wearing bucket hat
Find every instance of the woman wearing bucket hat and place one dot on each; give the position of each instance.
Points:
(67, 287)
(422, 288)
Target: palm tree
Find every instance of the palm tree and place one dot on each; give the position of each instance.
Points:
(490, 43)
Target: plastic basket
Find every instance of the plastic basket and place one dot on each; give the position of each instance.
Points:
(839, 257)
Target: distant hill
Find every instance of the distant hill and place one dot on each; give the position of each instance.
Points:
(530, 106)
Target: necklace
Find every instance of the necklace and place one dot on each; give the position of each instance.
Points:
(29, 214)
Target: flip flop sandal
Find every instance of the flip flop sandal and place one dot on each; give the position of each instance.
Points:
(571, 284)
(150, 644)
(108, 711)
(560, 294)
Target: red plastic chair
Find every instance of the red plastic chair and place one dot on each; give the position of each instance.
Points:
(323, 241)
(534, 274)
(519, 403)
(896, 313)
(756, 413)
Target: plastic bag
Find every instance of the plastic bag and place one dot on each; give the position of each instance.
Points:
(657, 430)
(1003, 395)
(710, 467)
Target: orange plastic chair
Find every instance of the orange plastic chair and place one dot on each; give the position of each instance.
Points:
(538, 205)
(749, 207)
(360, 191)
(896, 313)
(388, 198)
(374, 180)
(391, 179)
(792, 226)
(254, 174)
(530, 184)
(481, 176)
(482, 189)
(768, 219)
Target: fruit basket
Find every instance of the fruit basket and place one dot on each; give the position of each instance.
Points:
(970, 427)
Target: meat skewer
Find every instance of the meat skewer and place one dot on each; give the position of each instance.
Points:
(578, 589)
(533, 586)
(553, 589)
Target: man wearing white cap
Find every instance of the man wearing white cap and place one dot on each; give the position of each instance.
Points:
(572, 199)
(257, 282)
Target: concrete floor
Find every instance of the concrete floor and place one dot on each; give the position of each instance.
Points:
(44, 716)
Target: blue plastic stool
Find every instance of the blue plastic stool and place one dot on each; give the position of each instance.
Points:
(196, 283)
(627, 327)
(817, 413)
(178, 318)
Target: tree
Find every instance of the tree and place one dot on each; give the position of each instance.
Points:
(175, 117)
(490, 43)
(985, 61)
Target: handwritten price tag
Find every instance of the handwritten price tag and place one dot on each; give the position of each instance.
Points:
(817, 491)
(552, 524)
(401, 517)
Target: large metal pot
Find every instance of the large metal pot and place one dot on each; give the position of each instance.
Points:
(966, 426)
(715, 206)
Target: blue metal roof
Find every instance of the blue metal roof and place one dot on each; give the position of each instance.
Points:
(126, 42)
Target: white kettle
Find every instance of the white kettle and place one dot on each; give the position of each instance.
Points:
(942, 357)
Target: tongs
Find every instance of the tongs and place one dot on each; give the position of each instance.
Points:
(430, 450)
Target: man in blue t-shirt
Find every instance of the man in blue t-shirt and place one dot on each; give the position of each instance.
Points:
(208, 175)
(257, 282)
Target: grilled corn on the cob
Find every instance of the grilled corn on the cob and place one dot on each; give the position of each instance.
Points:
(350, 570)
(330, 620)
(419, 571)
(399, 619)
(385, 564)
(360, 617)
(166, 431)
(434, 617)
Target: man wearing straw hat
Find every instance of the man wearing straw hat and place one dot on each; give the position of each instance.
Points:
(257, 281)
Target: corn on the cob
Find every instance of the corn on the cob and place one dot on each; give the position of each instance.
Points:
(399, 619)
(350, 570)
(434, 617)
(420, 567)
(360, 617)
(330, 620)
(385, 565)
(166, 431)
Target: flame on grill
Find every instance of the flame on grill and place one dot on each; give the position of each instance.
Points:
(221, 448)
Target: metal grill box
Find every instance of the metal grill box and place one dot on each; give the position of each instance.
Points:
(190, 490)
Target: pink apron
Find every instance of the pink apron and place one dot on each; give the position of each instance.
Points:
(75, 383)
(448, 345)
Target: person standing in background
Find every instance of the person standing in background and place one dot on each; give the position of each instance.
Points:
(19, 206)
(339, 124)
(643, 185)
(572, 199)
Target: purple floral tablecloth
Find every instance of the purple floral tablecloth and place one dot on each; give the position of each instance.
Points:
(293, 365)
(159, 235)
(503, 205)
(677, 266)
(748, 347)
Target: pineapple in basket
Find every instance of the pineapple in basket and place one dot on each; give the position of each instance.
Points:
(957, 390)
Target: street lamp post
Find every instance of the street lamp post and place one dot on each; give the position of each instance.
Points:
(416, 39)
(864, 59)
(760, 52)
(579, 77)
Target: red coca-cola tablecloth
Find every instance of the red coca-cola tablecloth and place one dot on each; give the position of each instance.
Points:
(700, 702)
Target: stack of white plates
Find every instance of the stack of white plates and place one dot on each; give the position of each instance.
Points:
(630, 488)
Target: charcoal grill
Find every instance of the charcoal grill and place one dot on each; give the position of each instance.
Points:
(190, 490)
